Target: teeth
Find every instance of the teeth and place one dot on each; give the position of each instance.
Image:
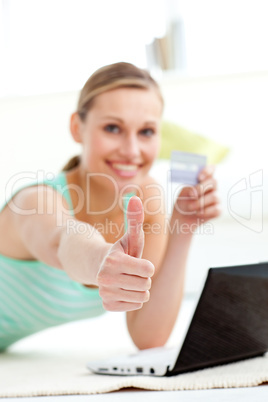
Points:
(120, 166)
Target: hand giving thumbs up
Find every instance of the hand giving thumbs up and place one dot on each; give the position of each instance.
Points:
(124, 279)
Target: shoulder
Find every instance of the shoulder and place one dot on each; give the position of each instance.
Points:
(25, 204)
(24, 213)
(37, 196)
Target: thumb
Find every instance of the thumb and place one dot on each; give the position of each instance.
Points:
(135, 235)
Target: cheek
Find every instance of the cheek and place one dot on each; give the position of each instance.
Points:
(91, 153)
(94, 148)
(102, 144)
(153, 149)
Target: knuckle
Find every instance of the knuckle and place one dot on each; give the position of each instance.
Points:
(201, 203)
(197, 191)
(134, 306)
(103, 278)
(193, 191)
(138, 306)
(207, 187)
(110, 260)
(111, 306)
(147, 284)
(113, 261)
(148, 268)
(102, 292)
(106, 276)
(147, 296)
(193, 206)
(99, 279)
(106, 305)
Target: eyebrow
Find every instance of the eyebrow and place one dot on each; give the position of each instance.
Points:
(122, 121)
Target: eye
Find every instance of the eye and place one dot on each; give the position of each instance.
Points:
(147, 132)
(112, 128)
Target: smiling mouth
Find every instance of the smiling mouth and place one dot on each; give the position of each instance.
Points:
(124, 169)
(123, 166)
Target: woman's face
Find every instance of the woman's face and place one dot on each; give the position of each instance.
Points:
(120, 135)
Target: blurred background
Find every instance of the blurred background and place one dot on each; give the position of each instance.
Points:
(210, 58)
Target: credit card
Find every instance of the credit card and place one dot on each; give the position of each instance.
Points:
(185, 167)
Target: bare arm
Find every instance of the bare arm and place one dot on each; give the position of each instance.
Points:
(152, 325)
(38, 223)
(45, 230)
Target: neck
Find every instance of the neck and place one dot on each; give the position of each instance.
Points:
(94, 195)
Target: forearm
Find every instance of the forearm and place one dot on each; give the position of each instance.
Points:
(81, 251)
(55, 237)
(152, 325)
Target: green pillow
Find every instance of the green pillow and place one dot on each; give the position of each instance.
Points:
(174, 137)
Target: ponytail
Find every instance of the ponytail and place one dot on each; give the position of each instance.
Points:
(72, 163)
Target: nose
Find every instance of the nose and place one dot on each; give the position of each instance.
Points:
(130, 147)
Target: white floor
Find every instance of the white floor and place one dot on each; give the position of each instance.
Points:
(259, 394)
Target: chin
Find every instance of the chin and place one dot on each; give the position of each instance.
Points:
(133, 185)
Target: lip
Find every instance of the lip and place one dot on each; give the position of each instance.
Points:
(124, 169)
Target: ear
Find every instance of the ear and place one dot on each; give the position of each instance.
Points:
(75, 127)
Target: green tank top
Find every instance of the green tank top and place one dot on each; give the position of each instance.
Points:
(35, 296)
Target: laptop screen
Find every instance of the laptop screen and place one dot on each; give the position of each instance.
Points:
(231, 319)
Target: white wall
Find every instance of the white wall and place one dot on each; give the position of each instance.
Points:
(231, 109)
(35, 135)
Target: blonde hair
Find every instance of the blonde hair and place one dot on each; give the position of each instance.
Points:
(117, 75)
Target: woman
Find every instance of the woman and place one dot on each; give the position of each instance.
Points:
(69, 250)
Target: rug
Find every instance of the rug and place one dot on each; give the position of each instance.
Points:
(39, 374)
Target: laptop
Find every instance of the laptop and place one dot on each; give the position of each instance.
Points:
(230, 323)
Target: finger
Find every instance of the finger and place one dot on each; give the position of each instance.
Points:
(193, 192)
(212, 211)
(207, 171)
(121, 306)
(207, 185)
(200, 189)
(135, 218)
(130, 266)
(118, 263)
(124, 281)
(199, 205)
(132, 296)
(128, 296)
(136, 283)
